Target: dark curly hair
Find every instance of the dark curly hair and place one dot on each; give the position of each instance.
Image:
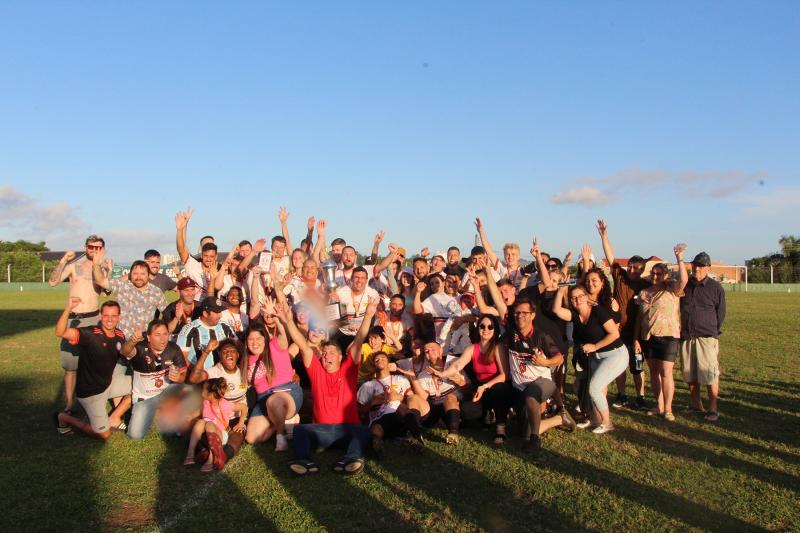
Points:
(604, 298)
(216, 386)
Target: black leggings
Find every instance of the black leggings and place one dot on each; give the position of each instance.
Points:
(499, 398)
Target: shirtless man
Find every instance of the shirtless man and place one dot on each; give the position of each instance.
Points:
(85, 313)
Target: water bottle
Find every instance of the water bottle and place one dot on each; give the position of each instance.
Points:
(638, 360)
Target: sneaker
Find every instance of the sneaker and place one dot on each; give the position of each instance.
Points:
(452, 438)
(620, 401)
(417, 444)
(599, 430)
(62, 430)
(552, 410)
(642, 404)
(534, 445)
(567, 422)
(281, 444)
(669, 417)
(584, 425)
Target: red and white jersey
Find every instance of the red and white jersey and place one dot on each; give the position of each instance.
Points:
(393, 383)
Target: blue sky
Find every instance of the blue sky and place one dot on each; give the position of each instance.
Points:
(675, 122)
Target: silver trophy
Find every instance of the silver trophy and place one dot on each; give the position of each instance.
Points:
(329, 275)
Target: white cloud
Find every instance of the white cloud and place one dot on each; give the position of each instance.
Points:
(589, 196)
(22, 216)
(592, 190)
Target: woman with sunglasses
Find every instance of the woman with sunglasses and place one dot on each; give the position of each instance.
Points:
(486, 363)
(660, 329)
(597, 333)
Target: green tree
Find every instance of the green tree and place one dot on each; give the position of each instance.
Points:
(23, 246)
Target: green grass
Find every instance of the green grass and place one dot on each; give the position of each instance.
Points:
(742, 473)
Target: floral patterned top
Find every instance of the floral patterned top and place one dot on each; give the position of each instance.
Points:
(661, 315)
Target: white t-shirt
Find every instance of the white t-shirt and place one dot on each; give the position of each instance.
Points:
(236, 387)
(443, 308)
(194, 270)
(399, 384)
(355, 307)
(238, 322)
(435, 387)
(514, 275)
(398, 328)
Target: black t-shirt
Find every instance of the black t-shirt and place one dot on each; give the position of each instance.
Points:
(146, 361)
(97, 359)
(169, 314)
(593, 331)
(541, 340)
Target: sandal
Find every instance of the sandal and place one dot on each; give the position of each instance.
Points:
(209, 467)
(189, 461)
(348, 466)
(499, 438)
(301, 467)
(452, 438)
(711, 416)
(669, 417)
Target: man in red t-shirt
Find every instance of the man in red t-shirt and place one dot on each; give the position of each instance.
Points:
(333, 389)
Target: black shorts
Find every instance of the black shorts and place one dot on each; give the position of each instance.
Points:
(661, 348)
(393, 425)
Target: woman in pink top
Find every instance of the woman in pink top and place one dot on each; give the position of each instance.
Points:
(217, 412)
(489, 361)
(269, 370)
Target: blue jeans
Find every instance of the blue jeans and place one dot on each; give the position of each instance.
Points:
(606, 366)
(353, 437)
(143, 412)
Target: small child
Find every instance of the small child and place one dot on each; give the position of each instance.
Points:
(214, 423)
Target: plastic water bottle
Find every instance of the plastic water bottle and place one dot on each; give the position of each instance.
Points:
(638, 360)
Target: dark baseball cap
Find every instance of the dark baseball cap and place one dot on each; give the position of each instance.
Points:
(702, 259)
(213, 305)
(185, 283)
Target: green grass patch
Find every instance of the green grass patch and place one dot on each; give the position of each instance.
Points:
(739, 474)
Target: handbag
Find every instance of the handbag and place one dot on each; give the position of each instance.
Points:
(252, 395)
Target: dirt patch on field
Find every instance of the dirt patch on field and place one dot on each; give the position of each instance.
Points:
(129, 516)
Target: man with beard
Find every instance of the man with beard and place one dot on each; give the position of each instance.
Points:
(354, 300)
(203, 271)
(139, 301)
(81, 286)
(157, 278)
(184, 309)
(344, 274)
(198, 334)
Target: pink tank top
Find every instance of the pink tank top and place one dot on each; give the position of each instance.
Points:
(282, 362)
(483, 371)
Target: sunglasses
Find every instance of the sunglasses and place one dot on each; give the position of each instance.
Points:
(488, 327)
(94, 246)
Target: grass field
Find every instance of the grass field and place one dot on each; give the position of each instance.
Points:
(740, 474)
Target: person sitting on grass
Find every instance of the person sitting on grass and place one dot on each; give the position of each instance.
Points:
(97, 382)
(158, 366)
(333, 379)
(215, 425)
(375, 343)
(440, 395)
(381, 401)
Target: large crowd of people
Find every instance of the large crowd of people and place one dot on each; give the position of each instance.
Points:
(387, 349)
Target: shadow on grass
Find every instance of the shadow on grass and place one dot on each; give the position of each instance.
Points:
(17, 321)
(335, 501)
(471, 495)
(190, 500)
(692, 452)
(47, 476)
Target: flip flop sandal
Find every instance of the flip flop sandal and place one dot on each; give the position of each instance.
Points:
(207, 468)
(301, 467)
(348, 466)
(189, 461)
(500, 438)
(711, 416)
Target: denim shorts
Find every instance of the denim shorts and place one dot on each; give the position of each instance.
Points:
(292, 389)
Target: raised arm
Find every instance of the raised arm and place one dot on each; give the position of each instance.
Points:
(483, 307)
(388, 260)
(181, 222)
(683, 275)
(284, 314)
(128, 349)
(258, 247)
(485, 243)
(419, 288)
(363, 331)
(62, 271)
(306, 245)
(602, 229)
(198, 373)
(283, 216)
(558, 306)
(98, 276)
(62, 325)
(499, 304)
(319, 254)
(376, 245)
(544, 274)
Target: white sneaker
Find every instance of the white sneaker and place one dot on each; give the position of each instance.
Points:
(290, 424)
(281, 444)
(599, 430)
(583, 425)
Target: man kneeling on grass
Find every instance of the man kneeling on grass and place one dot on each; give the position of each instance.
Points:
(97, 382)
(381, 399)
(333, 389)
